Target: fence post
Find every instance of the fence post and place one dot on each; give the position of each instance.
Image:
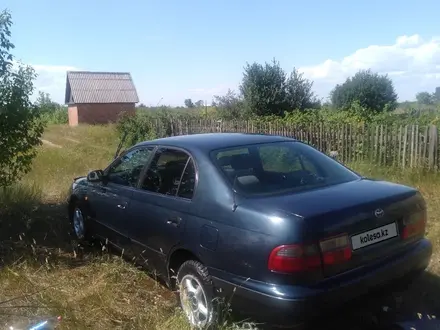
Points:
(433, 143)
(156, 127)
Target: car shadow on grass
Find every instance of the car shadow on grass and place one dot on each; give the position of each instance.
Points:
(416, 304)
(40, 235)
(39, 257)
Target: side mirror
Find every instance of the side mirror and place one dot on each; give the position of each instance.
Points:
(95, 176)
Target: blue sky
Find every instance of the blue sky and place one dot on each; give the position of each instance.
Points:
(195, 49)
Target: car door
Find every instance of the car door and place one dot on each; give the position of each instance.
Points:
(109, 199)
(161, 206)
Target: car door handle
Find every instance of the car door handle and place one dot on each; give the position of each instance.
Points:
(122, 206)
(175, 221)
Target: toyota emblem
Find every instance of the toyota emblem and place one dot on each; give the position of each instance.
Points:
(379, 213)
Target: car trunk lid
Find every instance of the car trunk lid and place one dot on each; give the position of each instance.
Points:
(371, 213)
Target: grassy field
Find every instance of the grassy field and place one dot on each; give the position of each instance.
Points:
(94, 289)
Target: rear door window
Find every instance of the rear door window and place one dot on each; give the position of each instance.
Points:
(171, 172)
(188, 181)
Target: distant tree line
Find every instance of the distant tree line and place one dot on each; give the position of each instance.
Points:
(189, 104)
(427, 98)
(267, 90)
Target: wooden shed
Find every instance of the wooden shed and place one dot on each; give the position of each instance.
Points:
(99, 97)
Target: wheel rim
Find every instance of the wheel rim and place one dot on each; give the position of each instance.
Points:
(78, 223)
(193, 301)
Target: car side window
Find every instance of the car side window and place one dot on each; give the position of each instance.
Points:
(165, 171)
(188, 182)
(127, 169)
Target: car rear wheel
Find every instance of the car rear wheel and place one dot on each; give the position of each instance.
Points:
(196, 293)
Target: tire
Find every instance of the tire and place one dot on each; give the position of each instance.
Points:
(196, 290)
(78, 224)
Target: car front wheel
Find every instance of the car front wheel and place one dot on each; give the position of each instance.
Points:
(196, 294)
(78, 222)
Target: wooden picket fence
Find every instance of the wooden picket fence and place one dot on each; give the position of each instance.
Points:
(409, 146)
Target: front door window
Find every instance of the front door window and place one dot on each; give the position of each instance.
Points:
(127, 170)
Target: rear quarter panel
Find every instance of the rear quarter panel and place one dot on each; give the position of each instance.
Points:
(236, 242)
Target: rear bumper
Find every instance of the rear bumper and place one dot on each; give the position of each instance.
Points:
(285, 305)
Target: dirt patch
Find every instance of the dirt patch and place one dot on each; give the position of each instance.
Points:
(71, 140)
(51, 144)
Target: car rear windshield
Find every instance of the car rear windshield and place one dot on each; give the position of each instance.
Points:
(279, 167)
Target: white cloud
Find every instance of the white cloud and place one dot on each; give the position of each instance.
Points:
(205, 93)
(52, 79)
(412, 62)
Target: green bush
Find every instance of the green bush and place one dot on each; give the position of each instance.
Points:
(50, 111)
(20, 124)
(149, 124)
(56, 116)
(374, 92)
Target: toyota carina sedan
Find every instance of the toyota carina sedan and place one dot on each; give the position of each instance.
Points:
(270, 221)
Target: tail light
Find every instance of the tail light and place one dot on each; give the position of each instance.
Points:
(335, 250)
(301, 258)
(294, 258)
(414, 226)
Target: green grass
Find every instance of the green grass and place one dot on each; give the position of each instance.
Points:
(94, 289)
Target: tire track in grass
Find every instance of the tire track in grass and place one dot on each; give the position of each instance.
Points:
(71, 140)
(51, 144)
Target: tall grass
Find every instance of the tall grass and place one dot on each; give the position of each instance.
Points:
(21, 198)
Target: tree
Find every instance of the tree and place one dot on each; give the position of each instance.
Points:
(189, 103)
(299, 92)
(20, 127)
(425, 98)
(50, 111)
(229, 106)
(199, 104)
(437, 94)
(267, 90)
(369, 90)
(264, 89)
(45, 103)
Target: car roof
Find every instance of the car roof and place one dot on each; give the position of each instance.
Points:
(211, 141)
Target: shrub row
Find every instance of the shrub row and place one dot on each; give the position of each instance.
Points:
(149, 124)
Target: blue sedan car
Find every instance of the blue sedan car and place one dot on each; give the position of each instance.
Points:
(277, 228)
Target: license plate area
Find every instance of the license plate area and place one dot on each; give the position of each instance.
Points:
(374, 236)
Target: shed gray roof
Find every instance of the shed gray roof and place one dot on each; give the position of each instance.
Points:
(100, 87)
